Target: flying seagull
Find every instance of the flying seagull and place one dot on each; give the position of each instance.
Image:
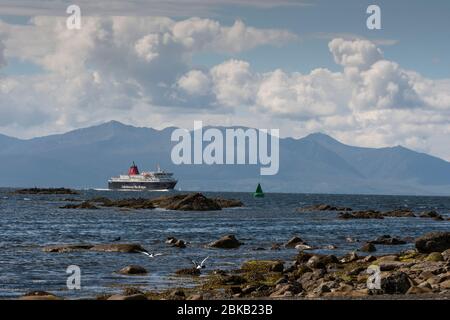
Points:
(201, 265)
(151, 255)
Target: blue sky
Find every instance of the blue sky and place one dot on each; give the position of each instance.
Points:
(302, 66)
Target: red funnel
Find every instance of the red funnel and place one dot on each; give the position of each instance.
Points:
(133, 170)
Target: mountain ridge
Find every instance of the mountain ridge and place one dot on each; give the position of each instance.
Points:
(316, 163)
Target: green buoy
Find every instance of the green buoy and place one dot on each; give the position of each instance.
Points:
(258, 193)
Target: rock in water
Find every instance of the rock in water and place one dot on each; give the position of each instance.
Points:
(226, 242)
(188, 272)
(67, 248)
(433, 242)
(293, 242)
(189, 202)
(118, 247)
(46, 191)
(83, 205)
(39, 295)
(133, 270)
(387, 240)
(323, 207)
(228, 203)
(396, 283)
(368, 247)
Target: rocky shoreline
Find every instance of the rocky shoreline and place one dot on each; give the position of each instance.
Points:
(181, 202)
(421, 273)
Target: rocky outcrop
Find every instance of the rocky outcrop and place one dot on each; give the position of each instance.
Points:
(187, 202)
(366, 214)
(323, 207)
(387, 240)
(399, 213)
(39, 295)
(433, 242)
(188, 272)
(67, 248)
(368, 247)
(132, 203)
(84, 205)
(46, 191)
(263, 266)
(228, 203)
(119, 247)
(114, 247)
(226, 242)
(431, 214)
(133, 270)
(182, 202)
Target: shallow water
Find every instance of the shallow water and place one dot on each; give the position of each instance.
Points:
(28, 222)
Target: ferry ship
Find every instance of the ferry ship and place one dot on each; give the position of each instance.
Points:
(159, 180)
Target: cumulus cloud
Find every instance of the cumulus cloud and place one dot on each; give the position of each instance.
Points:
(117, 64)
(140, 70)
(195, 82)
(360, 54)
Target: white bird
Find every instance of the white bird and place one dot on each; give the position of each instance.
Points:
(200, 265)
(151, 255)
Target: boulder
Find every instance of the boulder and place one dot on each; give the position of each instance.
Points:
(119, 247)
(188, 272)
(171, 240)
(82, 205)
(323, 207)
(263, 266)
(446, 255)
(46, 191)
(396, 283)
(434, 257)
(187, 202)
(399, 213)
(387, 240)
(67, 248)
(321, 261)
(293, 242)
(431, 214)
(226, 242)
(368, 247)
(39, 295)
(433, 242)
(132, 270)
(349, 257)
(179, 244)
(367, 214)
(228, 203)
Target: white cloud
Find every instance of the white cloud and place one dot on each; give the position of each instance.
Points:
(195, 82)
(140, 70)
(359, 54)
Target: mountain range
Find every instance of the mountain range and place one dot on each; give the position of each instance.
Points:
(317, 163)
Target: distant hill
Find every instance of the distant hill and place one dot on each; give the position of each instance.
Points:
(86, 158)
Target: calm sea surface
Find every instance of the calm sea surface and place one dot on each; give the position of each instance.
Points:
(27, 223)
